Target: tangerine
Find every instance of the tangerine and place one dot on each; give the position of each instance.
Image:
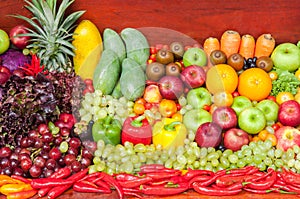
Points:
(223, 98)
(284, 96)
(221, 77)
(255, 84)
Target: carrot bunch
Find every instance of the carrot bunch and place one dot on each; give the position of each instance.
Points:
(232, 42)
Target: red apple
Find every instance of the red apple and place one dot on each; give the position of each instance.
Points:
(289, 113)
(170, 87)
(193, 76)
(152, 94)
(225, 117)
(19, 41)
(235, 138)
(208, 134)
(287, 137)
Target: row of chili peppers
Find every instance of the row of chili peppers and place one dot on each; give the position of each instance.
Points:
(154, 179)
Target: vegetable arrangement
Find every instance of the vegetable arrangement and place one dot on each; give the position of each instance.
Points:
(143, 120)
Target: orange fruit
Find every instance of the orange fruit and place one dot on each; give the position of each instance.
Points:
(221, 77)
(273, 138)
(284, 96)
(177, 116)
(255, 84)
(273, 75)
(223, 98)
(263, 134)
(138, 108)
(255, 138)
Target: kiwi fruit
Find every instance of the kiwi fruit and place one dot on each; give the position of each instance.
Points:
(164, 56)
(265, 63)
(177, 49)
(236, 61)
(172, 69)
(155, 70)
(218, 57)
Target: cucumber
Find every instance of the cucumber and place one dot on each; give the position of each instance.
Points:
(113, 41)
(132, 80)
(137, 46)
(107, 72)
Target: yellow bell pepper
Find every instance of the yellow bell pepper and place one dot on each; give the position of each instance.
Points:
(169, 132)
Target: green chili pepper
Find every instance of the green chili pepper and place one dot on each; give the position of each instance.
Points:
(107, 129)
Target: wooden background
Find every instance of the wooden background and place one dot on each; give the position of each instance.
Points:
(196, 19)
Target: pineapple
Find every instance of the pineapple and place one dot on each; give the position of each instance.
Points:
(51, 34)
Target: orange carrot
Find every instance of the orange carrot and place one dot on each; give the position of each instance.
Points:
(264, 46)
(230, 42)
(247, 46)
(211, 44)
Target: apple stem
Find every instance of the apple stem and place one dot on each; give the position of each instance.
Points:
(171, 126)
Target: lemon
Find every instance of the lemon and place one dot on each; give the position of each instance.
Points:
(88, 45)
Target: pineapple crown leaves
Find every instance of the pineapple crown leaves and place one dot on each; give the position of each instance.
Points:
(51, 33)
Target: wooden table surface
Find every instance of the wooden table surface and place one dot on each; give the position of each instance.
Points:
(187, 195)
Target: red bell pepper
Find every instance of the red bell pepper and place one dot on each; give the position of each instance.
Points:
(137, 130)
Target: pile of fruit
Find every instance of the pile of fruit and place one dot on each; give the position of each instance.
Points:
(92, 111)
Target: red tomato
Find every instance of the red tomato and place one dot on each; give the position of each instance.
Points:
(19, 41)
(273, 98)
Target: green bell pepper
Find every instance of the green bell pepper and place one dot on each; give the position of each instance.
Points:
(107, 129)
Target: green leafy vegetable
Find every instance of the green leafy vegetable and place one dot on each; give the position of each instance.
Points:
(286, 82)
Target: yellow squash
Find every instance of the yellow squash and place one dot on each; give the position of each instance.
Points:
(88, 48)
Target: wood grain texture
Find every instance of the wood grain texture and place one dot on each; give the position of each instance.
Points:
(196, 19)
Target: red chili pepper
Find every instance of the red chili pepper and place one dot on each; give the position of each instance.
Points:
(192, 173)
(213, 178)
(89, 187)
(135, 183)
(125, 177)
(91, 175)
(21, 178)
(164, 190)
(22, 194)
(60, 173)
(263, 184)
(49, 182)
(57, 191)
(290, 178)
(109, 179)
(99, 182)
(213, 191)
(202, 178)
(150, 168)
(162, 175)
(229, 179)
(127, 193)
(258, 191)
(240, 171)
(264, 175)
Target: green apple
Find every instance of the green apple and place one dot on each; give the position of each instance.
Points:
(194, 56)
(4, 41)
(269, 108)
(240, 103)
(286, 56)
(194, 118)
(252, 120)
(198, 97)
